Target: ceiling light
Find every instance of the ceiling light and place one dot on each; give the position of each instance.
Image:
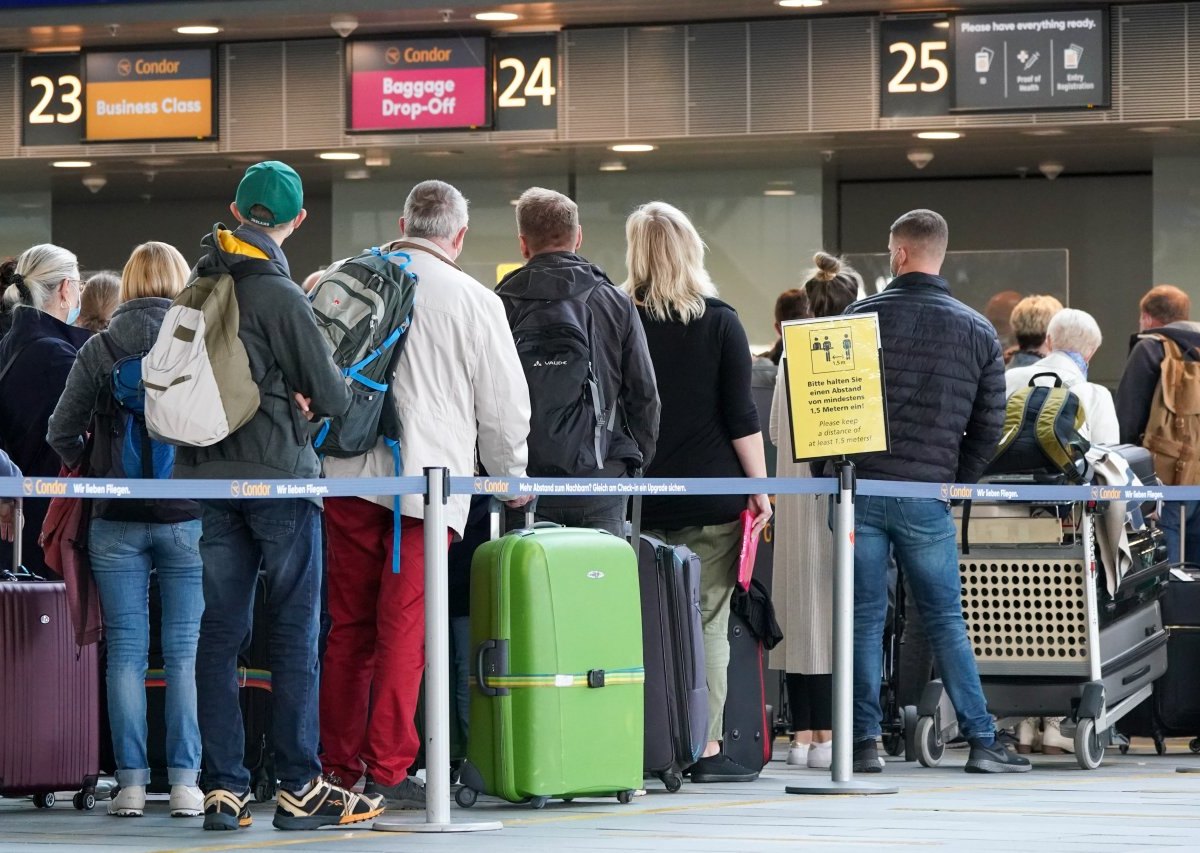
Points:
(938, 134)
(1045, 131)
(1152, 129)
(942, 25)
(779, 193)
(799, 4)
(72, 164)
(441, 153)
(57, 48)
(514, 201)
(612, 166)
(198, 30)
(340, 155)
(632, 148)
(357, 174)
(496, 16)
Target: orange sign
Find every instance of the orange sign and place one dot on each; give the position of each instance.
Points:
(144, 95)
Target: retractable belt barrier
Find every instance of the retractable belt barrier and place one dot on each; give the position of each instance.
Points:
(74, 487)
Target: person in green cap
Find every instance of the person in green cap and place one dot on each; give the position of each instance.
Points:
(297, 380)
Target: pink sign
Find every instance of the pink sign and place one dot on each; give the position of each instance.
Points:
(419, 99)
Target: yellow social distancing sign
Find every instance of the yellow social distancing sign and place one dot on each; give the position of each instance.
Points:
(834, 377)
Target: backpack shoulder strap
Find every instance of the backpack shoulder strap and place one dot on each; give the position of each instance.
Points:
(8, 365)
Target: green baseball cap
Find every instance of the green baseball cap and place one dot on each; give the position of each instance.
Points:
(275, 186)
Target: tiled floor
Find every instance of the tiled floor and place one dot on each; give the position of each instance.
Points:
(1137, 801)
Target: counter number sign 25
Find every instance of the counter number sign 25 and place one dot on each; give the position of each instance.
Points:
(914, 68)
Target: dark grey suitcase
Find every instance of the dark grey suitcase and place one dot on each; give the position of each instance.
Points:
(676, 706)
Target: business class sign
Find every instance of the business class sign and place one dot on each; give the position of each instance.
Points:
(149, 95)
(419, 84)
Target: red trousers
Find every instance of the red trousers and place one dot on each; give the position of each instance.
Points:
(375, 655)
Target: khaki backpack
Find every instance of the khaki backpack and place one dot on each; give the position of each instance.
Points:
(1173, 430)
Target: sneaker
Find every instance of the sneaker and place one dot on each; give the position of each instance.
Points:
(798, 754)
(324, 804)
(1054, 742)
(866, 757)
(820, 755)
(225, 810)
(186, 801)
(408, 793)
(130, 801)
(994, 758)
(720, 768)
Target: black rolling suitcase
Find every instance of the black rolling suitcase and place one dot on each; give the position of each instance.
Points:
(752, 631)
(676, 703)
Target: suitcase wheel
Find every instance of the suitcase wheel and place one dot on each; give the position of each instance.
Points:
(264, 791)
(84, 801)
(1194, 744)
(673, 781)
(466, 797)
(928, 741)
(538, 802)
(1160, 745)
(44, 801)
(626, 797)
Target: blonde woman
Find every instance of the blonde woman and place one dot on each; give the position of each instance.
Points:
(1030, 319)
(708, 428)
(127, 539)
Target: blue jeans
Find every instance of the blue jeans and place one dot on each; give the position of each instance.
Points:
(460, 663)
(922, 533)
(283, 538)
(123, 554)
(1169, 522)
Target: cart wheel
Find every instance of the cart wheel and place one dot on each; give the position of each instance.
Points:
(1160, 745)
(84, 801)
(910, 732)
(626, 797)
(1089, 751)
(264, 791)
(538, 802)
(673, 781)
(928, 740)
(465, 797)
(1194, 745)
(1124, 749)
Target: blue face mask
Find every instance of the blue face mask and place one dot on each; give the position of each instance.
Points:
(73, 314)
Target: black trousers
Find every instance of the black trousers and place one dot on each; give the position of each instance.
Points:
(811, 701)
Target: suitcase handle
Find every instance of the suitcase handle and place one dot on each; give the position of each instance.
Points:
(491, 654)
(496, 516)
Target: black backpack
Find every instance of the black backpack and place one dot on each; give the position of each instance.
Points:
(570, 424)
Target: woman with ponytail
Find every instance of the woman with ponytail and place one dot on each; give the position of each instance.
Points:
(802, 582)
(43, 295)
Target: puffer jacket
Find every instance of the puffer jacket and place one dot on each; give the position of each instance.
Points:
(944, 383)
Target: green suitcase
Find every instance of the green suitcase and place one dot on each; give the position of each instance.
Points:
(557, 692)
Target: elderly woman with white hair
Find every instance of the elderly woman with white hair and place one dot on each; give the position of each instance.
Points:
(1072, 338)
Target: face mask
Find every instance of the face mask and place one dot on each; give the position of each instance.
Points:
(73, 314)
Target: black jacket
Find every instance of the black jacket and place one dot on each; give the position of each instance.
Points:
(1142, 371)
(623, 365)
(944, 383)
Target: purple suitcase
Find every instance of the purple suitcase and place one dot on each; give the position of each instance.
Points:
(49, 695)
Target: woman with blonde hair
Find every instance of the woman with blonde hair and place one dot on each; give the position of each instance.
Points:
(128, 539)
(101, 296)
(708, 428)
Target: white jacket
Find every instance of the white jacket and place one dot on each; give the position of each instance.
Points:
(459, 383)
(1100, 415)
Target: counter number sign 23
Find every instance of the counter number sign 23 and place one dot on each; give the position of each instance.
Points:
(526, 83)
(915, 59)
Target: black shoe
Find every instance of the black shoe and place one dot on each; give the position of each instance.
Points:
(866, 757)
(408, 793)
(994, 758)
(720, 768)
(225, 810)
(324, 805)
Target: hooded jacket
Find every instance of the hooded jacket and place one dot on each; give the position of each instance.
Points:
(1135, 394)
(621, 356)
(287, 355)
(943, 380)
(133, 330)
(44, 349)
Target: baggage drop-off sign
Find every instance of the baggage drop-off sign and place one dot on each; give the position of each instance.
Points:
(834, 376)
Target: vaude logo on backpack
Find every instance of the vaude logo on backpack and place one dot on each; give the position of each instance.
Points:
(364, 308)
(197, 375)
(570, 427)
(1043, 432)
(1173, 429)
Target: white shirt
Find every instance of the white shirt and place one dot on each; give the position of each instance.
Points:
(1100, 414)
(458, 383)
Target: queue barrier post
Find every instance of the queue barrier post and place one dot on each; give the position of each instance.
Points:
(841, 769)
(437, 672)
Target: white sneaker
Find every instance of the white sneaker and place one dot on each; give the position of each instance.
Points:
(797, 754)
(129, 802)
(820, 755)
(186, 801)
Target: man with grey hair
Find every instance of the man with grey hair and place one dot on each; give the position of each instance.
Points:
(458, 386)
(594, 399)
(944, 383)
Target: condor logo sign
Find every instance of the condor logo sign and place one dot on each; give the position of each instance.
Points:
(955, 493)
(1100, 493)
(166, 94)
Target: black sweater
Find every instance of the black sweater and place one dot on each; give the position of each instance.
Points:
(703, 374)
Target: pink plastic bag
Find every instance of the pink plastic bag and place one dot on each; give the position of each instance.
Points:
(749, 550)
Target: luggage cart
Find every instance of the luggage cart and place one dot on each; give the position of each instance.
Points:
(1045, 644)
